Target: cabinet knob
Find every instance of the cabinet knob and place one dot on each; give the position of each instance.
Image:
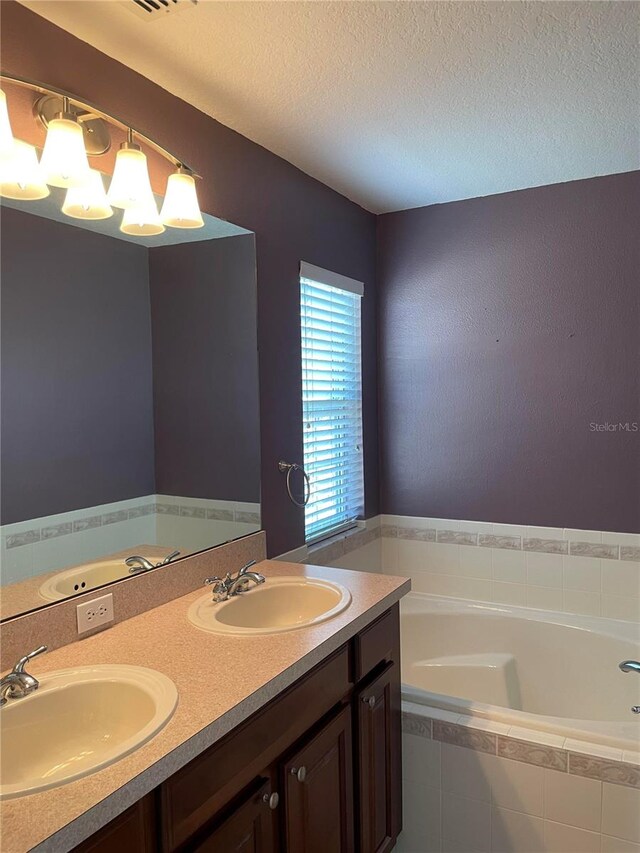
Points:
(299, 772)
(271, 800)
(370, 701)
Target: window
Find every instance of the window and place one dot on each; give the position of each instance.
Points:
(331, 400)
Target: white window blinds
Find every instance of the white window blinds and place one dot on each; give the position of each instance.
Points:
(331, 401)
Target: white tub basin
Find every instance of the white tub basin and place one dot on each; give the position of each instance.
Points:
(280, 604)
(78, 721)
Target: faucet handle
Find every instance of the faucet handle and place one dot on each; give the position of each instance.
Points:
(210, 581)
(19, 667)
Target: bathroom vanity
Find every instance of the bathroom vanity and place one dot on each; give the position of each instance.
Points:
(288, 741)
(318, 768)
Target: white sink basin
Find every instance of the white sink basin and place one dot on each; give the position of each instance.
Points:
(78, 721)
(279, 604)
(84, 578)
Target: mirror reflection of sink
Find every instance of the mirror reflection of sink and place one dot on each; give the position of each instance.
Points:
(85, 578)
(78, 721)
(280, 604)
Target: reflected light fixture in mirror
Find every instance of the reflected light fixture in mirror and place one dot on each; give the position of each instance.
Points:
(143, 220)
(89, 201)
(73, 129)
(64, 160)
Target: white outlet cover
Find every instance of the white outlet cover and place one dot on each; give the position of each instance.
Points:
(92, 614)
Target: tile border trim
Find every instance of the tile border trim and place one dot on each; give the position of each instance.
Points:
(451, 728)
(463, 536)
(375, 528)
(158, 505)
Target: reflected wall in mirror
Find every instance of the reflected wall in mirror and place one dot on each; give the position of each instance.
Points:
(129, 399)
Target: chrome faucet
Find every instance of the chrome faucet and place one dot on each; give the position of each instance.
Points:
(630, 666)
(18, 683)
(141, 564)
(230, 585)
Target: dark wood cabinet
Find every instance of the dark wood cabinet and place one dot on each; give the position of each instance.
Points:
(316, 770)
(131, 832)
(318, 787)
(250, 828)
(378, 768)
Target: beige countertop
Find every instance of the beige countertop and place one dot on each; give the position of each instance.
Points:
(221, 680)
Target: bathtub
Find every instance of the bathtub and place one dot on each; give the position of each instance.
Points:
(535, 669)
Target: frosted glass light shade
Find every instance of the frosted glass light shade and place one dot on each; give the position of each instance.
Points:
(142, 220)
(180, 208)
(64, 158)
(6, 135)
(88, 201)
(130, 185)
(20, 174)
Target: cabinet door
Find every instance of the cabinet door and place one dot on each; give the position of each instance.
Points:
(379, 768)
(318, 784)
(250, 828)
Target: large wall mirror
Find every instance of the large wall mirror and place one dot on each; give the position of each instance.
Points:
(129, 399)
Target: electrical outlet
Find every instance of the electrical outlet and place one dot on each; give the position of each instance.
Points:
(94, 613)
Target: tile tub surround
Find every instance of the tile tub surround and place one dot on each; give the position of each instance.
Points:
(475, 790)
(56, 626)
(592, 573)
(61, 817)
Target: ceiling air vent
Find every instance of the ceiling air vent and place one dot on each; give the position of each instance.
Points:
(154, 10)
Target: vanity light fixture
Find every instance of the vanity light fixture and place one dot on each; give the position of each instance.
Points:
(6, 134)
(88, 201)
(20, 174)
(180, 208)
(64, 158)
(76, 129)
(130, 184)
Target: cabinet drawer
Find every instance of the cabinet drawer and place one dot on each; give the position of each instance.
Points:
(379, 643)
(197, 792)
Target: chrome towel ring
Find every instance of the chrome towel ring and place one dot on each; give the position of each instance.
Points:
(293, 466)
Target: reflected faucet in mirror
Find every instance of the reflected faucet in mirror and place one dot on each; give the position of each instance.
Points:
(141, 564)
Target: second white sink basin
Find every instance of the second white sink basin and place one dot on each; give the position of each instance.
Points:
(78, 721)
(279, 604)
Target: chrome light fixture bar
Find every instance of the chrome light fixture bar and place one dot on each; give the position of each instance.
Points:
(75, 129)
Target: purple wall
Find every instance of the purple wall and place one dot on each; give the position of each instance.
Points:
(205, 369)
(77, 414)
(293, 216)
(507, 326)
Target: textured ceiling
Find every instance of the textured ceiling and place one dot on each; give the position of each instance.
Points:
(398, 104)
